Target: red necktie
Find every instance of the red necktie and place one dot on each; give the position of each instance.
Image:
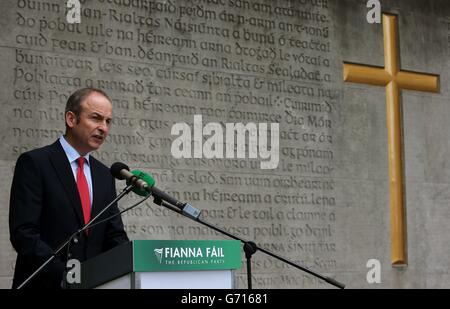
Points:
(83, 190)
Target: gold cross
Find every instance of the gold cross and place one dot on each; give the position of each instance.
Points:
(394, 80)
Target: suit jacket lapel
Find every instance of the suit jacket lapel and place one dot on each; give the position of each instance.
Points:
(65, 175)
(96, 187)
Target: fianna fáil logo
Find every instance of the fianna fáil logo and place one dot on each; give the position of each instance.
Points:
(189, 255)
(158, 253)
(172, 255)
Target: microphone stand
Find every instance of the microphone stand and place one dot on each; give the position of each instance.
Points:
(250, 247)
(69, 240)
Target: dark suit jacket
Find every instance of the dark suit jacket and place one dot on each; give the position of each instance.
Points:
(45, 210)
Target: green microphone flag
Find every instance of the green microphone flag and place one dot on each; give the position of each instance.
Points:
(145, 177)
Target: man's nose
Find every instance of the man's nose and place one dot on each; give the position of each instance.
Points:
(104, 127)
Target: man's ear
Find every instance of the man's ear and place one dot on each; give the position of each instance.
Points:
(71, 119)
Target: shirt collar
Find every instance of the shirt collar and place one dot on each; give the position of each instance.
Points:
(71, 153)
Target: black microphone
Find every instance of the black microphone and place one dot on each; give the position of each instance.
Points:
(145, 183)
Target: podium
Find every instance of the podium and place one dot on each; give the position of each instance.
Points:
(164, 264)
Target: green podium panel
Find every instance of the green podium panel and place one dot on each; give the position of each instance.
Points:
(167, 264)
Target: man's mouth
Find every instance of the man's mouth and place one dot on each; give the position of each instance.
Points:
(98, 138)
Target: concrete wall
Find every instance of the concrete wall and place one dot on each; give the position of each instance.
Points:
(326, 205)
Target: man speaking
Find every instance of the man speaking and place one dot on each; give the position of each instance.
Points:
(58, 188)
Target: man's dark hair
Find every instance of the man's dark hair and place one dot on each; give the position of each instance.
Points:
(74, 102)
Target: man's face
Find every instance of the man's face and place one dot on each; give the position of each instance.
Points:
(89, 131)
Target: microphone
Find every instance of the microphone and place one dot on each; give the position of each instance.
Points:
(121, 171)
(145, 183)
